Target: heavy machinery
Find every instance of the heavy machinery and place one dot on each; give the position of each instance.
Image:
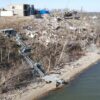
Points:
(8, 32)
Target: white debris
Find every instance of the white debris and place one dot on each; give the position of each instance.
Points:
(30, 34)
(72, 28)
(54, 78)
(94, 17)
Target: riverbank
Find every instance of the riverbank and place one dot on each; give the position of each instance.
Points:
(68, 73)
(79, 66)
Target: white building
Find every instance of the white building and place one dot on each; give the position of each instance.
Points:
(6, 13)
(20, 9)
(17, 10)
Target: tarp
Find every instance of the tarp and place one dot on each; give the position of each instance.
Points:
(43, 11)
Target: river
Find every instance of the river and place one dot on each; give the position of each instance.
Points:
(85, 87)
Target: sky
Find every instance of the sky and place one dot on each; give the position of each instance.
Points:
(86, 5)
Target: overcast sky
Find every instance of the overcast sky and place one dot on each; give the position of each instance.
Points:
(87, 5)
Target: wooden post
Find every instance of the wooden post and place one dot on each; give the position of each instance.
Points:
(1, 54)
(8, 54)
(49, 63)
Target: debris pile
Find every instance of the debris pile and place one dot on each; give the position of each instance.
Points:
(55, 40)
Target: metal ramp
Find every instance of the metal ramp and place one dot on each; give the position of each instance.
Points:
(32, 64)
(23, 50)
